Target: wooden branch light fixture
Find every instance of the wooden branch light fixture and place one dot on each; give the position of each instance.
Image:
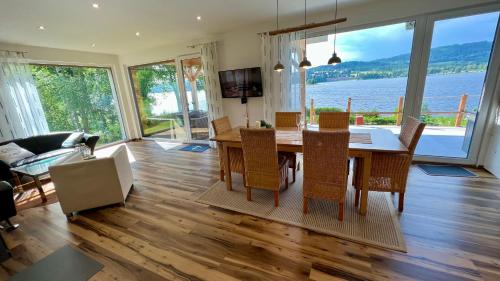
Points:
(306, 26)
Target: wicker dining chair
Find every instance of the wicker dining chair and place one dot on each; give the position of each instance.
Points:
(334, 120)
(220, 126)
(389, 172)
(325, 171)
(288, 120)
(264, 168)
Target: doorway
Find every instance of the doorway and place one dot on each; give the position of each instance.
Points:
(171, 100)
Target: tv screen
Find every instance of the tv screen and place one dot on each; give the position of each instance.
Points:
(240, 83)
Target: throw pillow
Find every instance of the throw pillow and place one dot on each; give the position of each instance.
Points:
(12, 152)
(72, 140)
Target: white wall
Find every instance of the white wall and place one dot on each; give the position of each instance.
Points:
(60, 56)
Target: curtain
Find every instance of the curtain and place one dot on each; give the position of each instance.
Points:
(21, 112)
(281, 89)
(212, 86)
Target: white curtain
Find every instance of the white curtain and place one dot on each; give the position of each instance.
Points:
(212, 85)
(21, 112)
(281, 89)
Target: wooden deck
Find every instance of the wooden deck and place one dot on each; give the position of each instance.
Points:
(451, 226)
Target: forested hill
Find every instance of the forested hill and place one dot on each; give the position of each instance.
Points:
(446, 59)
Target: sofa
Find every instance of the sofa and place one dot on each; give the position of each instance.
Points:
(87, 184)
(43, 146)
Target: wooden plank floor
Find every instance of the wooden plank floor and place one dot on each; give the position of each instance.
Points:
(451, 226)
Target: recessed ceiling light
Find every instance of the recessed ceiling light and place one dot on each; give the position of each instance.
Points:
(93, 45)
(95, 5)
(198, 18)
(41, 27)
(137, 33)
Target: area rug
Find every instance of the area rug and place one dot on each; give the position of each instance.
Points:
(64, 264)
(195, 148)
(379, 228)
(446, 170)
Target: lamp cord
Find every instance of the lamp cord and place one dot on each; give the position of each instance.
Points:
(335, 28)
(305, 31)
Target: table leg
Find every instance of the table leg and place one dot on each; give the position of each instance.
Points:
(367, 166)
(40, 189)
(18, 186)
(227, 167)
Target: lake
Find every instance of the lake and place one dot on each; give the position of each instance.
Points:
(442, 92)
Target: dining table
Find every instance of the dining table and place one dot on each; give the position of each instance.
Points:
(363, 143)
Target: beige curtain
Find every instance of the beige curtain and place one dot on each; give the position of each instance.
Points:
(281, 89)
(212, 86)
(21, 112)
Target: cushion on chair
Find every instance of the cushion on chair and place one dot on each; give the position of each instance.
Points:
(42, 156)
(72, 140)
(12, 152)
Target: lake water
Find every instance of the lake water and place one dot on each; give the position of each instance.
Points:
(442, 92)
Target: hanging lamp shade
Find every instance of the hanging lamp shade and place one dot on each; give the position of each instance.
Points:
(334, 60)
(279, 67)
(305, 63)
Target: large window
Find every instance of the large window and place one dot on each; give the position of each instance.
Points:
(445, 87)
(371, 80)
(76, 98)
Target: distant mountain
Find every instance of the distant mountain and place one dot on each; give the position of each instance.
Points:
(456, 58)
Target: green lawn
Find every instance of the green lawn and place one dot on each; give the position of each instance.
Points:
(159, 127)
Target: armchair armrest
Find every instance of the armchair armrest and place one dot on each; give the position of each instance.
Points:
(91, 141)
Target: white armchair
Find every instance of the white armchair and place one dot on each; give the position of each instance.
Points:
(86, 184)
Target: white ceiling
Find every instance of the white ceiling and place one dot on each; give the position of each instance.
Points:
(76, 25)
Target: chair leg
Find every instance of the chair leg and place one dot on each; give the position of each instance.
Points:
(341, 211)
(401, 201)
(249, 193)
(276, 198)
(286, 183)
(306, 209)
(356, 197)
(294, 169)
(222, 175)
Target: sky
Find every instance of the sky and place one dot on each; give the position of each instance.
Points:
(391, 40)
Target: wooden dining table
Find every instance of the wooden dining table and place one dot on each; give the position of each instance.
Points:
(290, 140)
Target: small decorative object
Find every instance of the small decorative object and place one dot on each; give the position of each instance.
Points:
(299, 122)
(257, 124)
(264, 124)
(83, 149)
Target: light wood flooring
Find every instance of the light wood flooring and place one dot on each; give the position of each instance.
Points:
(451, 226)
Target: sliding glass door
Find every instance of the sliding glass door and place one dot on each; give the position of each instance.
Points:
(194, 87)
(159, 102)
(170, 99)
(458, 62)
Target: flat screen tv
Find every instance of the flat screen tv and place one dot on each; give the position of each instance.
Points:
(241, 83)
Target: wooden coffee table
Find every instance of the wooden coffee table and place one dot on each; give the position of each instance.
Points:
(36, 171)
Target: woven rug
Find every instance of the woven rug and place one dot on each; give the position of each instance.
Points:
(379, 228)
